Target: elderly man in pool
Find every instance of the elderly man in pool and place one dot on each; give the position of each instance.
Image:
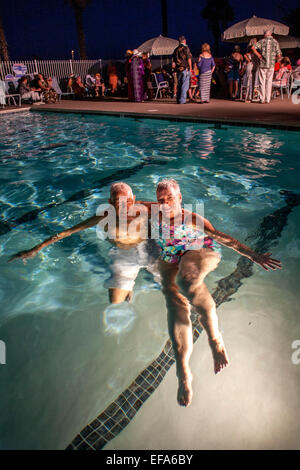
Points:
(186, 257)
(124, 223)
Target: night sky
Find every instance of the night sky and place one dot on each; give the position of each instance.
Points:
(46, 30)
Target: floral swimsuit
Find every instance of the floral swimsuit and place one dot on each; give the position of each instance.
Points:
(182, 238)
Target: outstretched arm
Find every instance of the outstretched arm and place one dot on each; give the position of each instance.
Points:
(55, 238)
(148, 205)
(262, 260)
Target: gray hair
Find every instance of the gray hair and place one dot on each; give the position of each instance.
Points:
(168, 184)
(252, 42)
(118, 188)
(268, 33)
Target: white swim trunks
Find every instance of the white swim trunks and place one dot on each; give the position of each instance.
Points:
(126, 264)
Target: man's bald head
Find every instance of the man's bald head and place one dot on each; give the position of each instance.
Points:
(121, 195)
(118, 188)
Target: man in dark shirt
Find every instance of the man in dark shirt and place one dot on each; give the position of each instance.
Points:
(182, 64)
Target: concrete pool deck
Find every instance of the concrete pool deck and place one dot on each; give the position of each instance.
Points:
(279, 113)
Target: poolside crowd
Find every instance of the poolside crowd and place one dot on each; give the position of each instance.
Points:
(258, 75)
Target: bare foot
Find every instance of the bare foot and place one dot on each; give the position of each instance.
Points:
(185, 392)
(219, 354)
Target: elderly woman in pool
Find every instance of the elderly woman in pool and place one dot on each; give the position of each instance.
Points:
(183, 268)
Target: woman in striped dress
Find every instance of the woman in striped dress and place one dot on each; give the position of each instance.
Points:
(206, 66)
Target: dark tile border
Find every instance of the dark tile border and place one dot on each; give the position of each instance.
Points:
(120, 412)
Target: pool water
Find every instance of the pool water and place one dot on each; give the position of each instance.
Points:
(66, 361)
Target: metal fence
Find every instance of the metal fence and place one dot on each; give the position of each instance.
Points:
(61, 69)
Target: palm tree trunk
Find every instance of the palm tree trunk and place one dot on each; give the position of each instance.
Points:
(3, 43)
(216, 34)
(164, 17)
(79, 26)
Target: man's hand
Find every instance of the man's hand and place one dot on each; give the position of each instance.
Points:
(24, 254)
(265, 261)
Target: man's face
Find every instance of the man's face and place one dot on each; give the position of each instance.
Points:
(169, 201)
(122, 200)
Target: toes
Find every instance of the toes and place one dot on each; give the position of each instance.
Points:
(184, 398)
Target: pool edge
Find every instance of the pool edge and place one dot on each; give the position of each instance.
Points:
(171, 117)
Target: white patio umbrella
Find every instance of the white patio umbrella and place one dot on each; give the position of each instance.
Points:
(288, 42)
(159, 46)
(253, 27)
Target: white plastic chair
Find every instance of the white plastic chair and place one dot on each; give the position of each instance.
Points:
(160, 85)
(5, 95)
(245, 88)
(294, 82)
(284, 84)
(57, 88)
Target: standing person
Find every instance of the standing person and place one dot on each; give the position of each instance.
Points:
(112, 77)
(206, 66)
(236, 60)
(71, 80)
(182, 64)
(267, 50)
(128, 77)
(194, 82)
(174, 91)
(137, 74)
(147, 76)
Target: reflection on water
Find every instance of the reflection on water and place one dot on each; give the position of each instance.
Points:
(118, 318)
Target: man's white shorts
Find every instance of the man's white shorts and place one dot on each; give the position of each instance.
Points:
(126, 264)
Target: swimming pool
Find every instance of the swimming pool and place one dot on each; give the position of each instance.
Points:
(66, 362)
